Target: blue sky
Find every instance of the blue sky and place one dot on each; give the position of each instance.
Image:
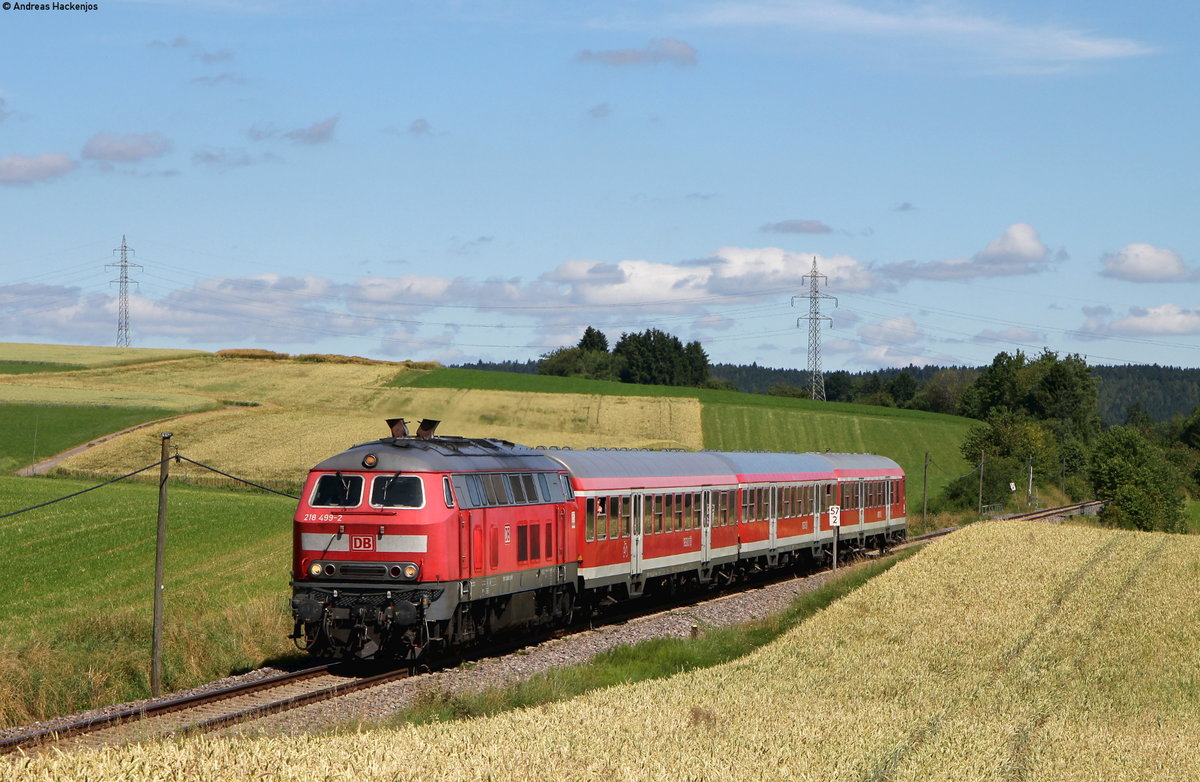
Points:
(456, 181)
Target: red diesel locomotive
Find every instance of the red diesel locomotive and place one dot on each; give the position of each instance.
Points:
(408, 543)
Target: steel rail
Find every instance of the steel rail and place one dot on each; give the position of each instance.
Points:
(150, 710)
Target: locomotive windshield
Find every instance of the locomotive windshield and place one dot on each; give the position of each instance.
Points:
(337, 491)
(397, 491)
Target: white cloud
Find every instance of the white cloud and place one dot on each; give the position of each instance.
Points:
(126, 147)
(891, 332)
(227, 77)
(317, 133)
(21, 170)
(796, 227)
(1002, 44)
(661, 50)
(1017, 251)
(1139, 262)
(1012, 334)
(743, 269)
(226, 158)
(1163, 320)
(713, 321)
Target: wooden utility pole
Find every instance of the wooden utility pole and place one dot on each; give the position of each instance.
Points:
(925, 492)
(982, 458)
(160, 550)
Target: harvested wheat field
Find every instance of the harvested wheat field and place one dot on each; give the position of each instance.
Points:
(86, 355)
(283, 416)
(280, 444)
(1012, 650)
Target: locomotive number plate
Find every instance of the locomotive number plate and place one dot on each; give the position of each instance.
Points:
(362, 542)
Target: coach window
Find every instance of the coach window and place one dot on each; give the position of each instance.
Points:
(614, 518)
(669, 513)
(601, 518)
(589, 528)
(688, 500)
(658, 513)
(626, 508)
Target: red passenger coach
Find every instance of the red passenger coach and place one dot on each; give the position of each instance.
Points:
(411, 542)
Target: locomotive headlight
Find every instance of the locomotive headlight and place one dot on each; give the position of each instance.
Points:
(314, 569)
(370, 460)
(410, 572)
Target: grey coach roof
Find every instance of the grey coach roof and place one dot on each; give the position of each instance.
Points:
(640, 464)
(762, 463)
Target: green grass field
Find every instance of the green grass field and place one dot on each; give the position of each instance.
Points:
(31, 367)
(75, 624)
(33, 432)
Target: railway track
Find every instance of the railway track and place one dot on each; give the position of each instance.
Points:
(246, 701)
(1073, 509)
(205, 711)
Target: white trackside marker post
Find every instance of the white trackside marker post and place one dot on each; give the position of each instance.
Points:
(835, 521)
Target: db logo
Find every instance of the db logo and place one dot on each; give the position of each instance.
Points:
(362, 542)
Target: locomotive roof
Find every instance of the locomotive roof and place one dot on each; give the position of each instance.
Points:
(441, 454)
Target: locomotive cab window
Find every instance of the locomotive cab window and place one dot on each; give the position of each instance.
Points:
(397, 491)
(337, 491)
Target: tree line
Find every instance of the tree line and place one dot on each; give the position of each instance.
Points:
(651, 357)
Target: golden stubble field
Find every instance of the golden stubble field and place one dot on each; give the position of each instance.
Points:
(1013, 650)
(279, 417)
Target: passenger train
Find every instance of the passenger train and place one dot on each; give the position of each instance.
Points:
(408, 544)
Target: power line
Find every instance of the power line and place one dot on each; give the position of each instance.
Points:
(123, 300)
(814, 318)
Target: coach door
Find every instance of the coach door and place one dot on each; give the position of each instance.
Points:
(773, 514)
(635, 535)
(706, 517)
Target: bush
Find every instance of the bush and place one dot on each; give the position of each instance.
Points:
(1142, 489)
